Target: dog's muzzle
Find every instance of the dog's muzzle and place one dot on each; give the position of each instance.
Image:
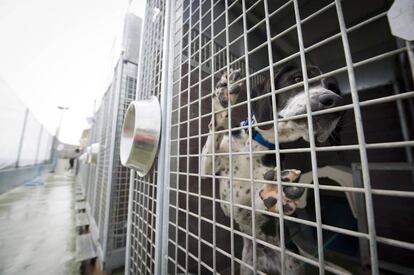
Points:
(325, 100)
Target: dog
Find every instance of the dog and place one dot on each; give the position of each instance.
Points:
(323, 94)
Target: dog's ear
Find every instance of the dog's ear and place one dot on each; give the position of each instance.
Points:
(313, 71)
(331, 83)
(262, 108)
(280, 72)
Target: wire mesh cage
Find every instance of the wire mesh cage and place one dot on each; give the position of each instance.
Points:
(143, 191)
(106, 181)
(120, 186)
(102, 165)
(289, 146)
(90, 167)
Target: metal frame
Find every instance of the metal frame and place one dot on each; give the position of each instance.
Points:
(107, 182)
(190, 59)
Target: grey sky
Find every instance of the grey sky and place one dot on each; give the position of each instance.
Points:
(55, 52)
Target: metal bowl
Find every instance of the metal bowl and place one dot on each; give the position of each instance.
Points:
(140, 135)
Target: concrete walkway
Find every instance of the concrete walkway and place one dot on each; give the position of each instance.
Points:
(37, 233)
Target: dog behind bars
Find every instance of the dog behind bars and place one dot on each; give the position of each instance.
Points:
(254, 166)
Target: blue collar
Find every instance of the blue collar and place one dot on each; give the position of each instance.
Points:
(257, 136)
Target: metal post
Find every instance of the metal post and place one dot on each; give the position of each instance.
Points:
(312, 143)
(49, 147)
(188, 143)
(361, 141)
(129, 220)
(407, 78)
(250, 131)
(410, 52)
(277, 146)
(161, 244)
(200, 61)
(39, 140)
(19, 152)
(101, 139)
(62, 110)
(56, 138)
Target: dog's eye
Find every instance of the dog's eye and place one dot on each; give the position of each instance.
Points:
(298, 79)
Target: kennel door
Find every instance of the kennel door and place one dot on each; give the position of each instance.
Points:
(143, 213)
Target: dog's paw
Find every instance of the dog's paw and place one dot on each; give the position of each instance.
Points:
(269, 192)
(228, 88)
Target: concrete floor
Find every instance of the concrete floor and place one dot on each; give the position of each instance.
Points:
(37, 232)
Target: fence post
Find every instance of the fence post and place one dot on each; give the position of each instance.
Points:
(19, 152)
(49, 147)
(39, 140)
(161, 237)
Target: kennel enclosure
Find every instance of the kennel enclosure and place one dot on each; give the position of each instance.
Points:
(105, 180)
(356, 214)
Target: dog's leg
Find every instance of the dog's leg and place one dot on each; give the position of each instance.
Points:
(247, 257)
(268, 195)
(227, 89)
(267, 259)
(206, 159)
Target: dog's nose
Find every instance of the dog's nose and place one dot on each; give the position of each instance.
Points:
(328, 100)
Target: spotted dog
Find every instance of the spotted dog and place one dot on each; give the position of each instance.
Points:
(323, 95)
